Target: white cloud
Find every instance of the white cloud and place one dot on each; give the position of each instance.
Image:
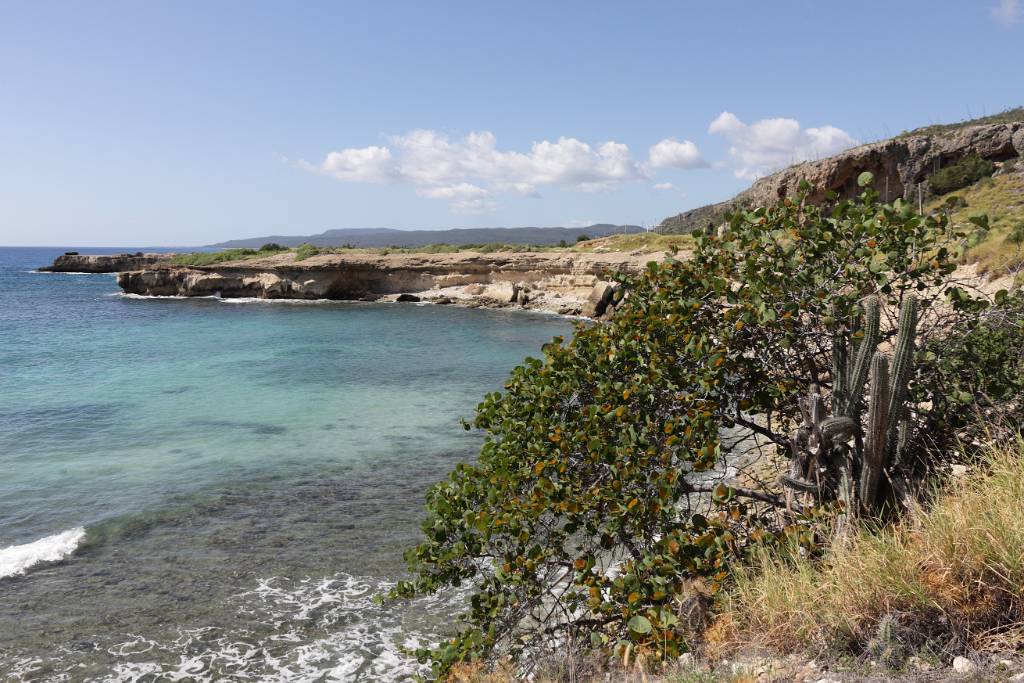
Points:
(462, 198)
(442, 168)
(670, 153)
(1007, 12)
(770, 144)
(664, 186)
(366, 164)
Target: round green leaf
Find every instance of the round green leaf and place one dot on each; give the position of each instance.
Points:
(639, 624)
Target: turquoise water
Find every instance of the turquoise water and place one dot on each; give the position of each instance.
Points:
(224, 484)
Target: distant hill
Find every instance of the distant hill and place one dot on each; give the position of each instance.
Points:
(902, 167)
(389, 237)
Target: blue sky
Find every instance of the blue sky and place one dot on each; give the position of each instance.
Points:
(184, 123)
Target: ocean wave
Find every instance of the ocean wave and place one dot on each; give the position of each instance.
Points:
(17, 559)
(65, 272)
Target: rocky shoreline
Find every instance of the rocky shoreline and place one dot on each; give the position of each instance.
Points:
(567, 283)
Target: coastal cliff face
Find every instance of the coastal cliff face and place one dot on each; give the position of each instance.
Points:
(562, 282)
(116, 263)
(898, 165)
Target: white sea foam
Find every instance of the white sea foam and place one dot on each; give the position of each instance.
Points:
(17, 559)
(66, 272)
(169, 297)
(327, 629)
(260, 300)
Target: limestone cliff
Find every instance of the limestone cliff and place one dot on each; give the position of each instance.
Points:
(73, 262)
(898, 164)
(562, 282)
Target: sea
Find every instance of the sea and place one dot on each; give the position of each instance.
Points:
(216, 490)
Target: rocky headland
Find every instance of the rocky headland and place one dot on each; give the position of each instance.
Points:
(901, 165)
(568, 283)
(73, 262)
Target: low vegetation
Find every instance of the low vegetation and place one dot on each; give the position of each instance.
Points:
(643, 242)
(997, 247)
(1015, 115)
(591, 514)
(209, 258)
(960, 173)
(948, 579)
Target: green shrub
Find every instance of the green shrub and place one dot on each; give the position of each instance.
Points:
(582, 238)
(1016, 234)
(305, 250)
(273, 246)
(962, 173)
(584, 521)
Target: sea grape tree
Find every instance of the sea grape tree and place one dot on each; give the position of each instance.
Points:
(594, 503)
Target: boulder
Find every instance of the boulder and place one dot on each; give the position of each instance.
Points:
(598, 299)
(504, 292)
(475, 289)
(410, 298)
(443, 301)
(962, 665)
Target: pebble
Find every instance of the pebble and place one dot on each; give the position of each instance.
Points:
(962, 665)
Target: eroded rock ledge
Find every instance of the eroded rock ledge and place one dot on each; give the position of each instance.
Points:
(562, 282)
(73, 262)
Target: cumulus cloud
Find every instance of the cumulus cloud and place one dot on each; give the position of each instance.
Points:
(664, 186)
(366, 164)
(670, 153)
(470, 171)
(1007, 12)
(764, 146)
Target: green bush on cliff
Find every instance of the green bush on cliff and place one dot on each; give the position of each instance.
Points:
(306, 250)
(586, 516)
(962, 173)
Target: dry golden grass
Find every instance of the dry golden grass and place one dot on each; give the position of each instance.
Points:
(1002, 199)
(640, 241)
(952, 571)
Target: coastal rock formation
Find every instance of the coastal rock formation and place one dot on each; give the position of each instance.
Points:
(73, 262)
(550, 281)
(898, 164)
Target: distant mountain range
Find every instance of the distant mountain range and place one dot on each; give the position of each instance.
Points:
(389, 237)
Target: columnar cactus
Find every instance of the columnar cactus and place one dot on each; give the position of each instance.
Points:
(824, 462)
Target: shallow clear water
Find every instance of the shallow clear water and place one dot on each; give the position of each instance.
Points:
(246, 475)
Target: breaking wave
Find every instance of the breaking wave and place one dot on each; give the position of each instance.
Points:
(17, 559)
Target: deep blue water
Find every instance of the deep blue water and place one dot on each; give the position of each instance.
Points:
(226, 483)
